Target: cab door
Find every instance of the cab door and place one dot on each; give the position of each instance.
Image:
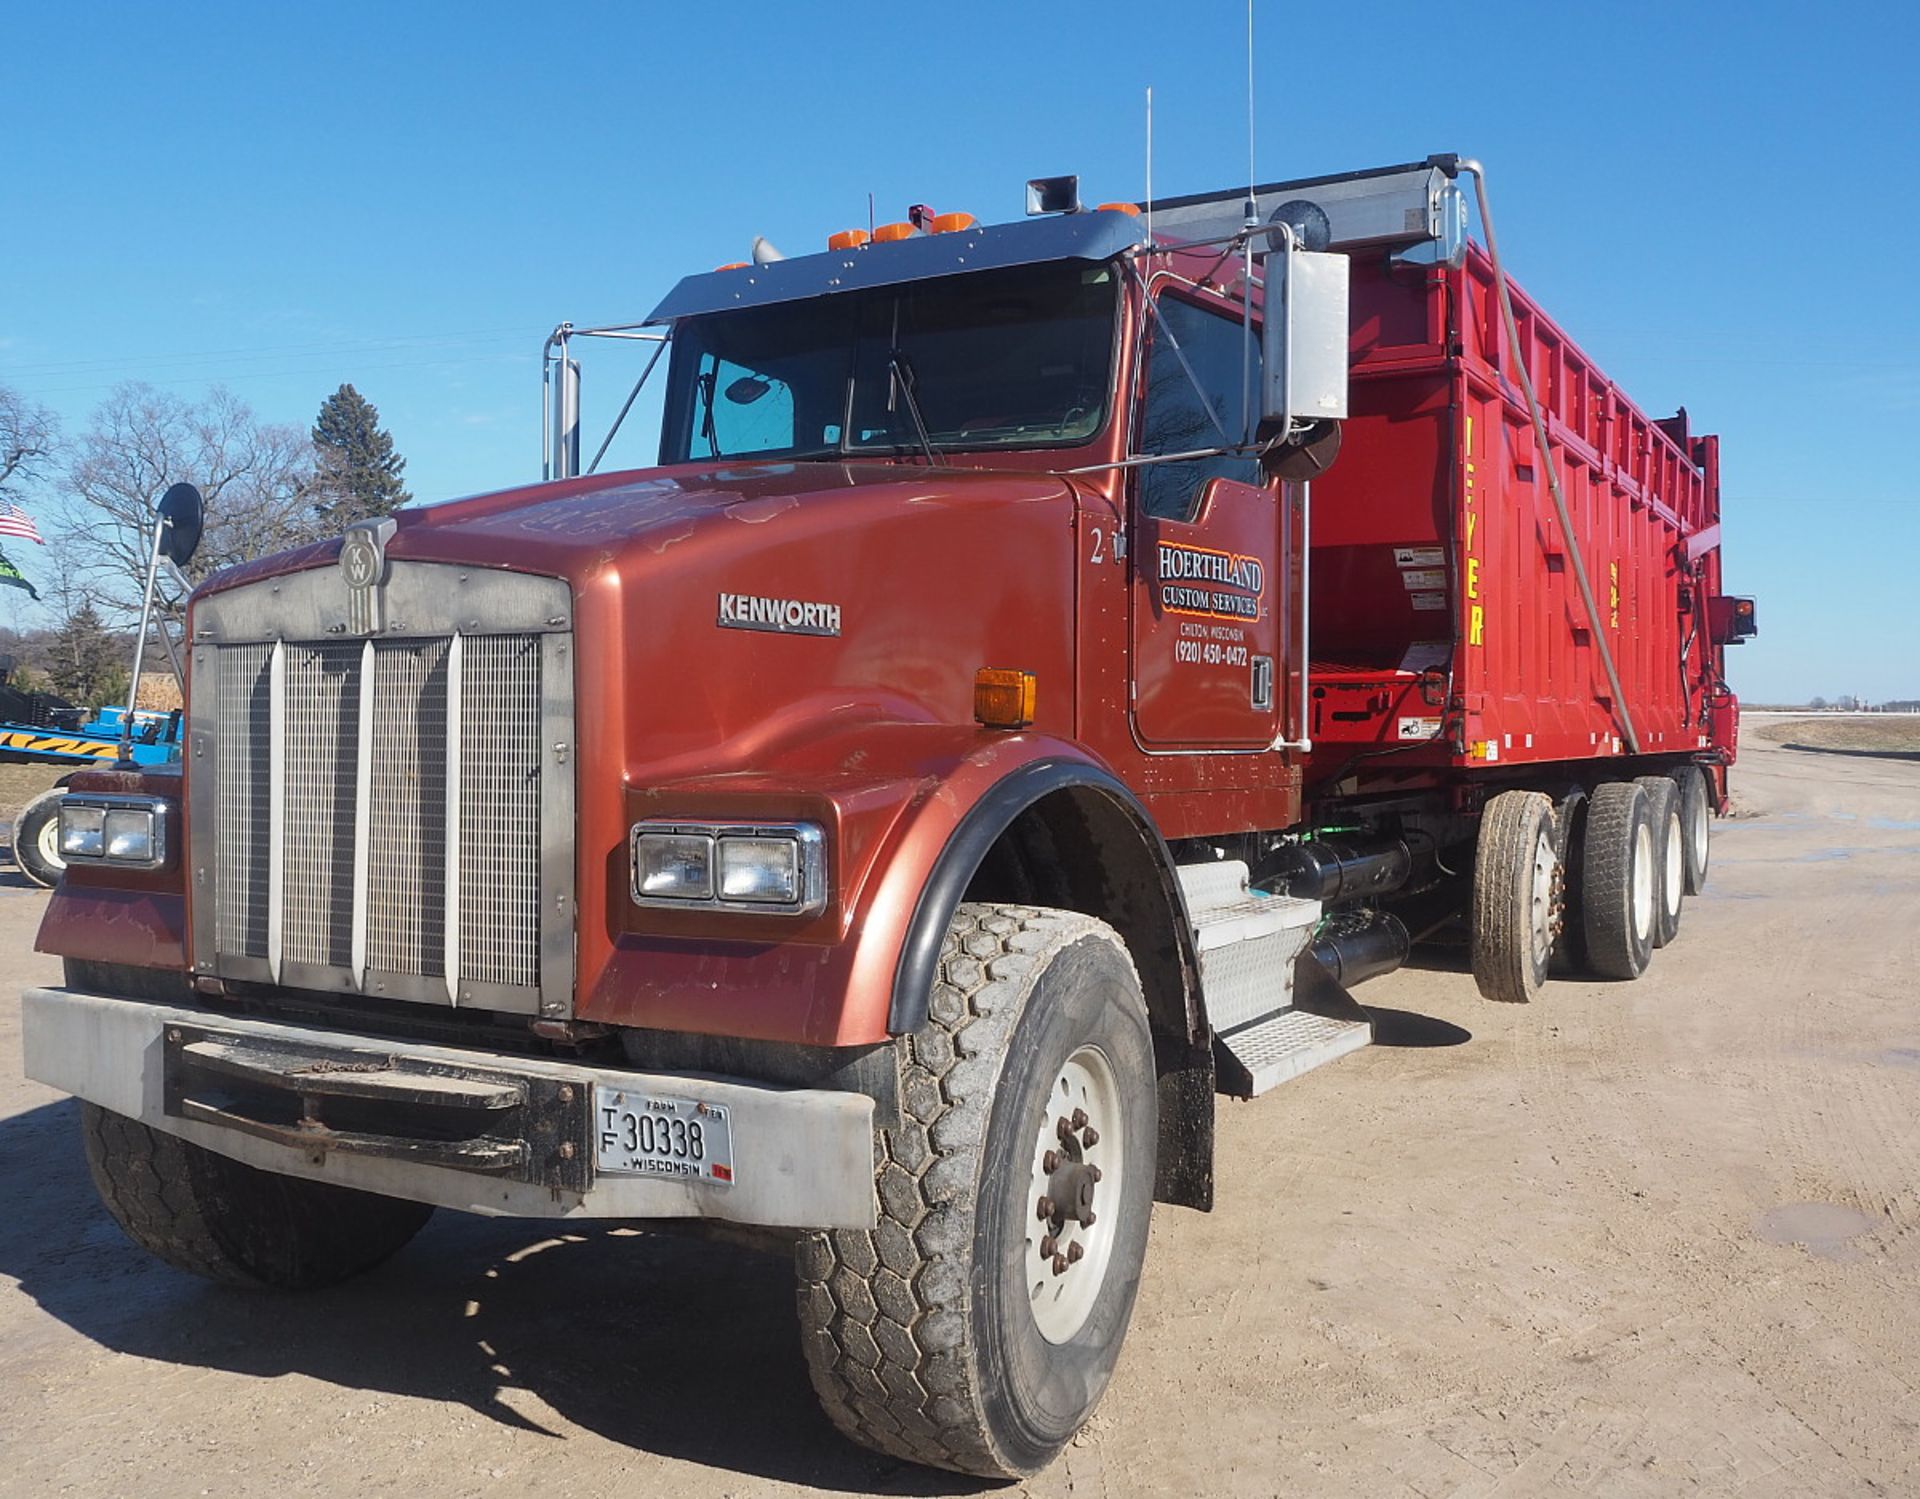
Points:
(1205, 631)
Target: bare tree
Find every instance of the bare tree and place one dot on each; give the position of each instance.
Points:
(28, 434)
(253, 474)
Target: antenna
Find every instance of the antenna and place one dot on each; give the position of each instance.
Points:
(1253, 212)
(1149, 164)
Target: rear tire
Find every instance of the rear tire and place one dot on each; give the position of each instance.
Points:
(1619, 881)
(233, 1223)
(1670, 855)
(1696, 822)
(943, 1335)
(36, 838)
(1517, 890)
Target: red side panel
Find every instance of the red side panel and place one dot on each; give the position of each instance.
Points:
(1447, 623)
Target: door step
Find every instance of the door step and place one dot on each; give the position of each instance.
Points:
(1281, 1047)
(1276, 1012)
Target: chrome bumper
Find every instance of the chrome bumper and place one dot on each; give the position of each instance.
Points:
(803, 1158)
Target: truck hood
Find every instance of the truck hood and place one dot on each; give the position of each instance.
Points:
(579, 528)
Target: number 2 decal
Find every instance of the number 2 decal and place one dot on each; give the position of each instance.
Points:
(1096, 557)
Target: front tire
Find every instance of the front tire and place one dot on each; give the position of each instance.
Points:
(222, 1219)
(945, 1335)
(36, 838)
(1619, 881)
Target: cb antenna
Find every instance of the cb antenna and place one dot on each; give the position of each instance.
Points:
(1149, 165)
(1253, 212)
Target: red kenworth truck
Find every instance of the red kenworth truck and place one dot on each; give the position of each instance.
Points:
(1050, 665)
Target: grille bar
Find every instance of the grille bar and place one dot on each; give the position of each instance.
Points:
(276, 808)
(362, 815)
(450, 927)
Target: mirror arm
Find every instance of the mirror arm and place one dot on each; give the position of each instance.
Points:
(160, 525)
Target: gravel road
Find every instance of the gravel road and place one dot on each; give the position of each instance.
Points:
(1631, 1239)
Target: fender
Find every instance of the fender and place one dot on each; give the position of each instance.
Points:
(966, 847)
(131, 917)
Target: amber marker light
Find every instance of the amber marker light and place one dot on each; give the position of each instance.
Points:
(731, 265)
(949, 223)
(1004, 699)
(889, 232)
(1126, 208)
(847, 239)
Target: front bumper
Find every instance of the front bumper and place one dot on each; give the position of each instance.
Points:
(803, 1158)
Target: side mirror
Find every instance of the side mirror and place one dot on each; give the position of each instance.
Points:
(1304, 340)
(183, 515)
(1730, 620)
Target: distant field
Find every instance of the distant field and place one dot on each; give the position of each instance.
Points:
(20, 784)
(1869, 735)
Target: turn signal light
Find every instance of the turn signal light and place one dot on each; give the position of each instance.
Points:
(950, 223)
(847, 239)
(1004, 699)
(887, 232)
(1126, 208)
(732, 265)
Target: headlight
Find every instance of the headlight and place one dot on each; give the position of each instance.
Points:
(126, 830)
(771, 869)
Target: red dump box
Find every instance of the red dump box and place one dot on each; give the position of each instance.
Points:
(1448, 631)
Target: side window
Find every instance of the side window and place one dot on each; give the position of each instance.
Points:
(737, 410)
(1176, 421)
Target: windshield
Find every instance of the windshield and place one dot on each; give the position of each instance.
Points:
(1015, 358)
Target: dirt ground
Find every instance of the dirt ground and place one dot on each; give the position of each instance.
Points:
(1632, 1239)
(1885, 735)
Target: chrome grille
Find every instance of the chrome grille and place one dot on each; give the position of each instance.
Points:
(390, 816)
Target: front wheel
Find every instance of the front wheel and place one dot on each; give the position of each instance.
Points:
(212, 1216)
(36, 838)
(976, 1326)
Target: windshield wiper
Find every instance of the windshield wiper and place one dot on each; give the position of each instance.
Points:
(899, 374)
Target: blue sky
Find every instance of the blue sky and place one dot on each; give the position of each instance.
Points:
(1717, 201)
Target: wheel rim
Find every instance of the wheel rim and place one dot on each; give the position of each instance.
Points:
(1676, 871)
(1643, 873)
(48, 843)
(1079, 1170)
(1541, 902)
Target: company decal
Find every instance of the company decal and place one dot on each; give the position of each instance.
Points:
(749, 611)
(1419, 557)
(1196, 581)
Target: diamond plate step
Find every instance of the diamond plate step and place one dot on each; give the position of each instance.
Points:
(1247, 942)
(1281, 1047)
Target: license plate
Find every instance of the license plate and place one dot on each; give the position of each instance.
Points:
(646, 1134)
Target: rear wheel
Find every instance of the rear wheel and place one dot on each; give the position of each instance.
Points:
(1620, 881)
(1696, 823)
(1516, 896)
(36, 838)
(976, 1326)
(1670, 855)
(212, 1216)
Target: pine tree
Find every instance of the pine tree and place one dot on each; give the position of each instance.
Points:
(358, 472)
(83, 658)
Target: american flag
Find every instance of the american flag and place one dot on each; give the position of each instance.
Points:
(16, 522)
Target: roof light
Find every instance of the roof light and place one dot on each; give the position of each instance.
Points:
(1132, 209)
(732, 265)
(886, 233)
(847, 239)
(950, 223)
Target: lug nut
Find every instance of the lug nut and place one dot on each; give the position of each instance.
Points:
(1086, 1218)
(1045, 1207)
(1090, 1137)
(1050, 1162)
(1064, 1130)
(1079, 1118)
(1075, 1253)
(1049, 1247)
(1059, 1264)
(1093, 1175)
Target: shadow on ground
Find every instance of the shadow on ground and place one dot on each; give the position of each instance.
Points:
(1404, 1028)
(673, 1345)
(1858, 754)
